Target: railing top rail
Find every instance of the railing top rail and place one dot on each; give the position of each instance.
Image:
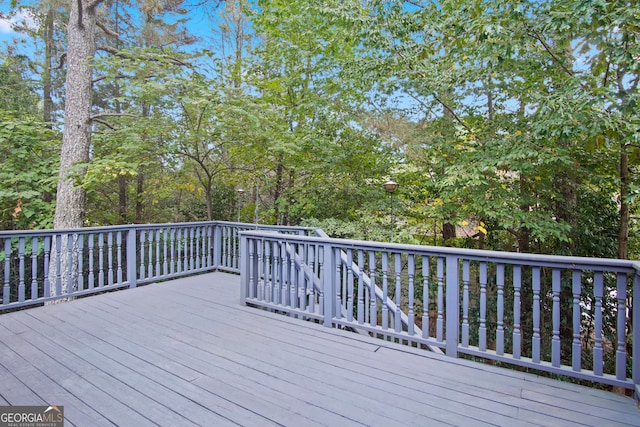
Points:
(558, 261)
(111, 228)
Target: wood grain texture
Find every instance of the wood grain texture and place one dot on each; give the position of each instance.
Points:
(185, 352)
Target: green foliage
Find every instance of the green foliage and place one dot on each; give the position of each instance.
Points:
(27, 173)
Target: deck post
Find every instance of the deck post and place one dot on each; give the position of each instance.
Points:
(452, 305)
(328, 285)
(636, 336)
(243, 267)
(132, 255)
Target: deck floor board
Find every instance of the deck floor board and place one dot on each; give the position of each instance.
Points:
(186, 352)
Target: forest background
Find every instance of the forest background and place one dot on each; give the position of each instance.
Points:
(508, 125)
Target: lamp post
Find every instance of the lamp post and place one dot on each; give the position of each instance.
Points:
(240, 192)
(390, 187)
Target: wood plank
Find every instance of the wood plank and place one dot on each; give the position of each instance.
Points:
(66, 378)
(186, 350)
(335, 403)
(169, 373)
(46, 390)
(169, 406)
(518, 390)
(321, 367)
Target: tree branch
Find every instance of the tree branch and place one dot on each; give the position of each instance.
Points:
(104, 123)
(61, 60)
(121, 54)
(120, 76)
(93, 4)
(547, 48)
(106, 30)
(107, 114)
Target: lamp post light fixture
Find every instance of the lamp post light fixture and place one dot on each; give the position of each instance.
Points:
(391, 187)
(240, 192)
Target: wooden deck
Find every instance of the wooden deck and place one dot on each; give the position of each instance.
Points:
(186, 352)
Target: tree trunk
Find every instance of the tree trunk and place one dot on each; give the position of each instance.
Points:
(70, 198)
(448, 231)
(139, 196)
(209, 198)
(625, 214)
(122, 198)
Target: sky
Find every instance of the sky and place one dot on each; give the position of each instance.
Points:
(7, 34)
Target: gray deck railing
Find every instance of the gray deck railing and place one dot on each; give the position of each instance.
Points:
(41, 266)
(565, 315)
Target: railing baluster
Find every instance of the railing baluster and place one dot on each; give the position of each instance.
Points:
(6, 293)
(361, 287)
(535, 340)
(621, 353)
(172, 250)
(268, 276)
(482, 334)
(500, 308)
(425, 298)
(150, 239)
(293, 276)
(373, 311)
(284, 266)
(91, 277)
(198, 249)
(210, 234)
(338, 283)
(385, 290)
(312, 256)
(158, 253)
(411, 318)
(191, 249)
(555, 341)
(165, 252)
(185, 250)
(234, 258)
(398, 288)
(517, 284)
(277, 272)
(598, 292)
(110, 257)
(47, 284)
(252, 274)
(349, 285)
(440, 319)
(58, 278)
(302, 286)
(119, 256)
(465, 303)
(21, 286)
(143, 255)
(227, 246)
(261, 278)
(34, 267)
(80, 275)
(576, 347)
(321, 275)
(68, 286)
